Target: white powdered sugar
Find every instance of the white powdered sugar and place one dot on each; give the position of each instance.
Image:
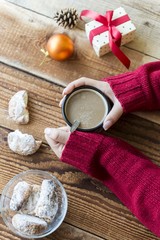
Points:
(28, 224)
(47, 204)
(17, 108)
(20, 195)
(30, 205)
(23, 144)
(35, 206)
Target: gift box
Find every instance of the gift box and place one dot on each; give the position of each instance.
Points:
(125, 27)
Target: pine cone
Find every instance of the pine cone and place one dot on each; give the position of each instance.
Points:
(67, 18)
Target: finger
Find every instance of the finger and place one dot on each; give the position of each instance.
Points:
(115, 113)
(61, 101)
(56, 147)
(79, 82)
(65, 128)
(51, 142)
(57, 135)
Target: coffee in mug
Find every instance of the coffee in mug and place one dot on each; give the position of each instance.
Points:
(86, 105)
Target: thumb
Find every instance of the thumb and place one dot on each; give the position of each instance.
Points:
(57, 135)
(55, 146)
(57, 139)
(113, 116)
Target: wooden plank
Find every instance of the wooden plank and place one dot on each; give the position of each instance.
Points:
(44, 110)
(65, 231)
(92, 207)
(145, 15)
(69, 232)
(151, 116)
(26, 55)
(43, 105)
(23, 34)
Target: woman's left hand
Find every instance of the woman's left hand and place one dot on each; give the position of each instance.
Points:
(57, 138)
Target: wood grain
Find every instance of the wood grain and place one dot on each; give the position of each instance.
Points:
(44, 100)
(65, 231)
(23, 33)
(145, 14)
(92, 207)
(45, 112)
(94, 212)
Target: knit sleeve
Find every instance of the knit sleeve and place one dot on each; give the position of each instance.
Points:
(138, 90)
(131, 176)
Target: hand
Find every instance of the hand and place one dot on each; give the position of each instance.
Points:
(57, 138)
(116, 110)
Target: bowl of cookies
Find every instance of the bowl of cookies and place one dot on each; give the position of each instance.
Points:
(33, 204)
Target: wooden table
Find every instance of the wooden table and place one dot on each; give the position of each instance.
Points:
(94, 212)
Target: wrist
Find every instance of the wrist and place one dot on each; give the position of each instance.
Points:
(80, 150)
(138, 90)
(128, 91)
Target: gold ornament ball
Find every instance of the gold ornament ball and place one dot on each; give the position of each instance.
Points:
(60, 47)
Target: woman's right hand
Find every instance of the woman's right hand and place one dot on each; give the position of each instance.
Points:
(116, 111)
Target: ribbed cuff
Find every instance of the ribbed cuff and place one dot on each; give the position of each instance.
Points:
(80, 149)
(138, 90)
(128, 90)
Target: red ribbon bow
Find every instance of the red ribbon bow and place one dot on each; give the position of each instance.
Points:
(110, 26)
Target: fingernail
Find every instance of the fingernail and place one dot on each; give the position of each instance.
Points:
(47, 131)
(107, 125)
(60, 103)
(63, 93)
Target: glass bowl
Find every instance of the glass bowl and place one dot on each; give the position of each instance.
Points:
(33, 177)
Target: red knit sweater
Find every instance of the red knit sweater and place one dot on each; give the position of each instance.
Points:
(116, 163)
